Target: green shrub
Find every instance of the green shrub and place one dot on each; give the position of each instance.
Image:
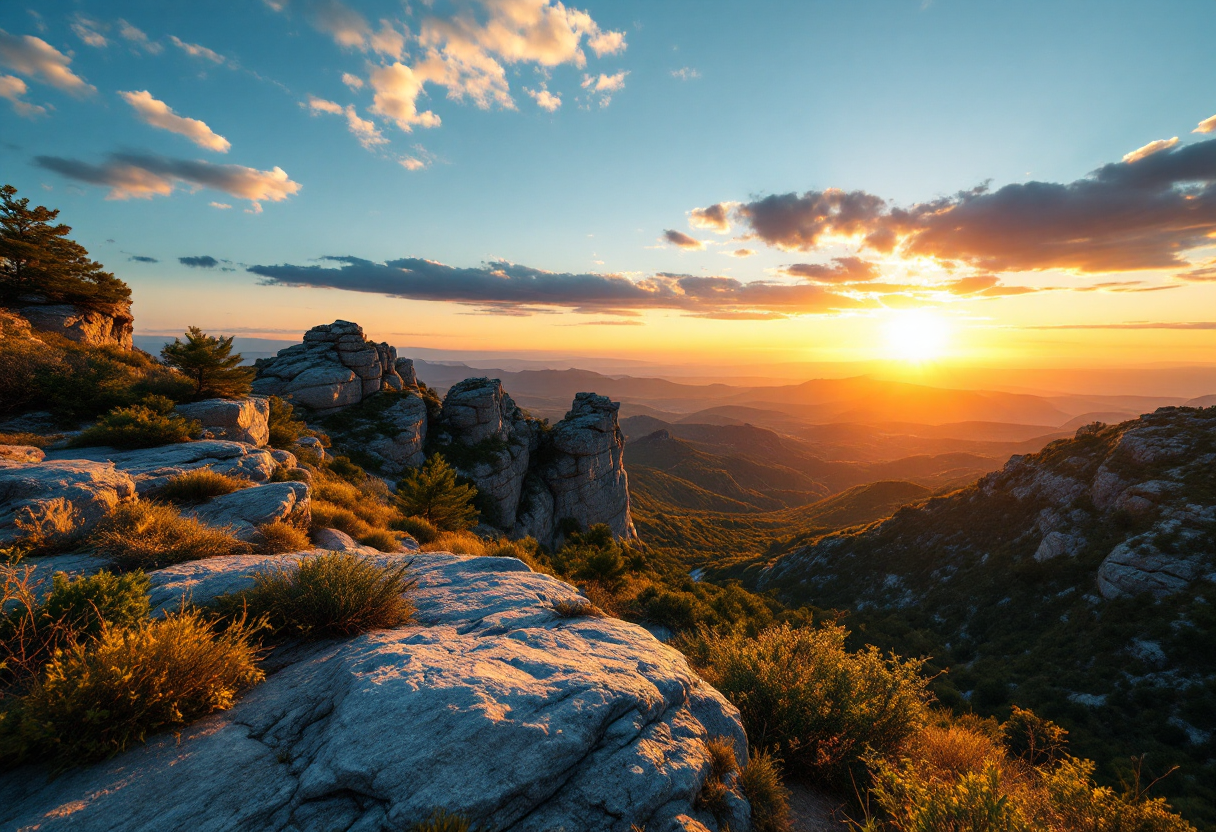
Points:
(209, 364)
(334, 594)
(200, 485)
(146, 535)
(279, 537)
(806, 697)
(419, 528)
(443, 821)
(94, 700)
(762, 785)
(138, 426)
(432, 493)
(285, 429)
(1032, 739)
(87, 604)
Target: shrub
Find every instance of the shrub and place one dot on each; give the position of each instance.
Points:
(1032, 739)
(208, 362)
(334, 594)
(381, 539)
(581, 608)
(973, 802)
(35, 440)
(419, 528)
(762, 785)
(432, 493)
(138, 426)
(802, 694)
(54, 528)
(285, 429)
(87, 604)
(326, 515)
(95, 700)
(200, 485)
(458, 543)
(146, 535)
(279, 537)
(722, 764)
(443, 821)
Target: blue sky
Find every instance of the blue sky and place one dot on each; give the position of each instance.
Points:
(706, 103)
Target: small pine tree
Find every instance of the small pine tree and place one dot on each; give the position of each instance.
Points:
(38, 261)
(208, 362)
(432, 493)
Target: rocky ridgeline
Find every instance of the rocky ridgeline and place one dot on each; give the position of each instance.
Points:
(531, 477)
(108, 325)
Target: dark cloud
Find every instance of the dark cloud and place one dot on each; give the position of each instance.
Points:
(510, 288)
(1143, 214)
(678, 238)
(842, 270)
(203, 261)
(139, 258)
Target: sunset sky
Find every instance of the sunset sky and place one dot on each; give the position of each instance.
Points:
(1017, 184)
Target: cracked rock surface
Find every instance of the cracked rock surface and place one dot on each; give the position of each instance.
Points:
(492, 706)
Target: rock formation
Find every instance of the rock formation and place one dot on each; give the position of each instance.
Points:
(492, 706)
(111, 325)
(244, 420)
(244, 510)
(335, 367)
(399, 445)
(150, 468)
(60, 496)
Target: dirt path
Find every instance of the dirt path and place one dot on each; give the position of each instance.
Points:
(813, 811)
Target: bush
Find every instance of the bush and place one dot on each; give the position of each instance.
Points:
(762, 785)
(95, 700)
(209, 363)
(581, 608)
(458, 543)
(200, 485)
(381, 539)
(87, 604)
(138, 427)
(335, 594)
(419, 528)
(432, 493)
(804, 696)
(279, 537)
(722, 764)
(145, 535)
(56, 527)
(443, 821)
(1032, 739)
(285, 429)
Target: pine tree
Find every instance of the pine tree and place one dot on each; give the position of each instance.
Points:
(431, 492)
(208, 362)
(39, 262)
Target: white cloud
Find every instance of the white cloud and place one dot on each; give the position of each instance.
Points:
(397, 89)
(195, 50)
(411, 163)
(158, 114)
(545, 99)
(89, 31)
(363, 129)
(1149, 149)
(387, 41)
(685, 73)
(137, 37)
(12, 88)
(1208, 125)
(604, 86)
(345, 25)
(35, 58)
(352, 81)
(223, 206)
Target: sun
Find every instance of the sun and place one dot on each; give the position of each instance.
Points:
(916, 335)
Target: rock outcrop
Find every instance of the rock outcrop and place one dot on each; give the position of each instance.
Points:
(21, 453)
(492, 706)
(402, 435)
(335, 367)
(151, 468)
(244, 510)
(58, 498)
(243, 420)
(111, 325)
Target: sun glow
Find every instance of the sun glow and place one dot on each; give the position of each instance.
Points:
(916, 335)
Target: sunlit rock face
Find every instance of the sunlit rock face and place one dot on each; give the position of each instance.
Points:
(335, 367)
(491, 705)
(242, 420)
(107, 325)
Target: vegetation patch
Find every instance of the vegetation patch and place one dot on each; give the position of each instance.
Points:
(763, 786)
(432, 493)
(148, 535)
(200, 485)
(278, 537)
(138, 426)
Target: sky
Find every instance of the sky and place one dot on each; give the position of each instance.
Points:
(983, 183)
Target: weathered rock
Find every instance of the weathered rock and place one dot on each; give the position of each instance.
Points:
(534, 516)
(285, 458)
(21, 453)
(479, 415)
(248, 508)
(1139, 564)
(405, 369)
(493, 706)
(59, 497)
(401, 448)
(586, 473)
(1057, 544)
(333, 540)
(243, 420)
(111, 325)
(151, 468)
(334, 367)
(313, 445)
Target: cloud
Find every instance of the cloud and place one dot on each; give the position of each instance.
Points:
(842, 270)
(345, 25)
(396, 97)
(202, 261)
(223, 206)
(195, 50)
(544, 99)
(158, 114)
(13, 88)
(504, 286)
(352, 81)
(1208, 125)
(365, 131)
(411, 163)
(139, 258)
(144, 175)
(137, 37)
(714, 217)
(35, 58)
(682, 240)
(741, 252)
(1149, 149)
(603, 86)
(1125, 216)
(685, 73)
(89, 31)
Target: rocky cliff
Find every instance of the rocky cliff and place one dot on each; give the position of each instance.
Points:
(107, 325)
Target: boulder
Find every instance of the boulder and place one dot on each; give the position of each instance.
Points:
(21, 453)
(333, 368)
(405, 369)
(59, 497)
(242, 420)
(1057, 544)
(245, 510)
(1139, 565)
(403, 435)
(111, 325)
(492, 706)
(151, 468)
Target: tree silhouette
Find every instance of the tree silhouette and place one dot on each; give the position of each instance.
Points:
(208, 362)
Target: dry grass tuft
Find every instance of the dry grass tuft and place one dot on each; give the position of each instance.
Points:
(199, 485)
(278, 537)
(146, 535)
